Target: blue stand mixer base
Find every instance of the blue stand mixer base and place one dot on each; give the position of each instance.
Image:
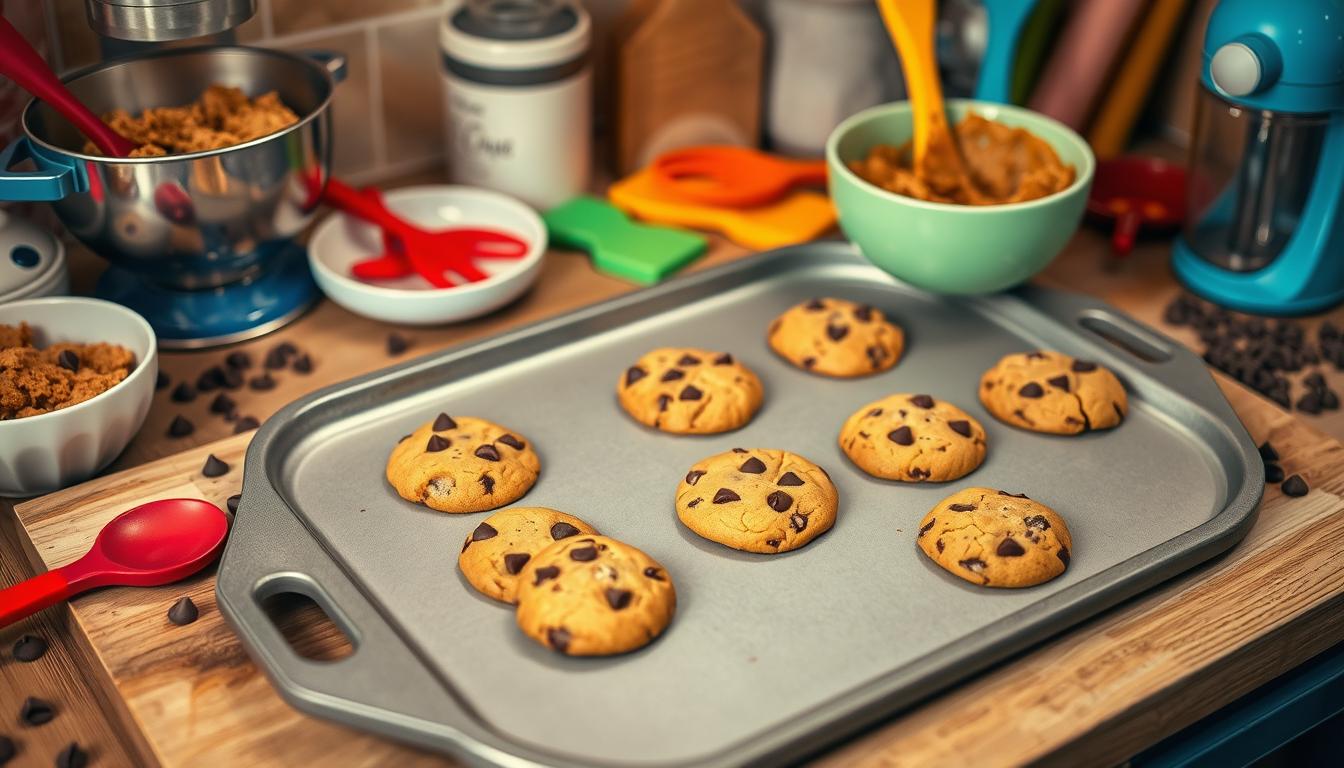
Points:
(1274, 290)
(209, 317)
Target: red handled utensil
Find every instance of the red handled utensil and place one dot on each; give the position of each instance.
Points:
(152, 544)
(1136, 193)
(732, 177)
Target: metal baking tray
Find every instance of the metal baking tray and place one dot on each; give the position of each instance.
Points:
(769, 656)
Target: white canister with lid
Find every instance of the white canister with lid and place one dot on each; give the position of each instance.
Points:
(518, 88)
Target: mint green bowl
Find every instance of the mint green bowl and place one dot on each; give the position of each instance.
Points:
(956, 249)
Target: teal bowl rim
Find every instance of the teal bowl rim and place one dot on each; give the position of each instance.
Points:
(1081, 180)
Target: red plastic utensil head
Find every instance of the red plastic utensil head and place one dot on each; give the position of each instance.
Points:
(1152, 187)
(731, 177)
(155, 543)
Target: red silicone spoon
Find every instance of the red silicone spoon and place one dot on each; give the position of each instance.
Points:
(152, 544)
(20, 63)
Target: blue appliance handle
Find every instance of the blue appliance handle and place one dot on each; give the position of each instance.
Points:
(53, 180)
(1006, 18)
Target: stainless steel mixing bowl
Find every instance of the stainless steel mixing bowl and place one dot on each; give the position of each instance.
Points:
(188, 221)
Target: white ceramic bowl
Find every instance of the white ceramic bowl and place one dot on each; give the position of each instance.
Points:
(341, 240)
(40, 454)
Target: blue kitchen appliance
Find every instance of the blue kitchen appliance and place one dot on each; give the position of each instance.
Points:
(1265, 230)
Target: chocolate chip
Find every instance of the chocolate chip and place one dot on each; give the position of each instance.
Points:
(740, 450)
(809, 362)
(921, 401)
(694, 502)
(653, 573)
(772, 542)
(974, 565)
(1032, 390)
(244, 424)
(275, 360)
(303, 364)
(633, 374)
(583, 554)
(72, 757)
(29, 648)
(443, 422)
(545, 572)
(183, 612)
(694, 476)
(1034, 355)
(262, 383)
(1267, 452)
(183, 393)
(484, 531)
(558, 637)
(1014, 495)
(663, 401)
(1037, 521)
(778, 501)
(724, 359)
(233, 379)
(672, 374)
(1273, 473)
(436, 444)
(752, 466)
(1294, 486)
(961, 507)
(797, 522)
(837, 332)
(180, 427)
(222, 404)
(815, 305)
(1063, 555)
(723, 496)
(8, 749)
(789, 479)
(211, 378)
(161, 380)
(1059, 382)
(876, 355)
(1083, 366)
(239, 360)
(488, 452)
(232, 503)
(618, 598)
(863, 313)
(1010, 548)
(939, 544)
(488, 483)
(512, 442)
(214, 467)
(961, 427)
(514, 561)
(688, 360)
(396, 344)
(927, 526)
(563, 530)
(690, 393)
(68, 360)
(901, 436)
(919, 474)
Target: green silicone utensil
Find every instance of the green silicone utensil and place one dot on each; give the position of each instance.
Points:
(639, 253)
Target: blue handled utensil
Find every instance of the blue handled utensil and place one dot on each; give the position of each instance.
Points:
(1006, 20)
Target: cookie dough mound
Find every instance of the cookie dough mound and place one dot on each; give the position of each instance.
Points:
(690, 391)
(759, 500)
(462, 464)
(496, 551)
(1053, 393)
(594, 596)
(835, 337)
(913, 438)
(995, 538)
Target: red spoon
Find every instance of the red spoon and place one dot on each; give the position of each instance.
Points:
(1135, 193)
(152, 544)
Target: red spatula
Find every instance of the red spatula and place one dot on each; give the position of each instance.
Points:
(152, 544)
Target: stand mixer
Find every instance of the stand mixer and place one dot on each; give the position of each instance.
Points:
(1265, 230)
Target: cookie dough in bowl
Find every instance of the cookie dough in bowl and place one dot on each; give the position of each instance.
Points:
(836, 337)
(462, 464)
(1054, 393)
(690, 391)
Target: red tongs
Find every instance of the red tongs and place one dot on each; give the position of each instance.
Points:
(413, 250)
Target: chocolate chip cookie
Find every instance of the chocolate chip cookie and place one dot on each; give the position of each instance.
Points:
(594, 596)
(913, 438)
(995, 538)
(1052, 392)
(836, 337)
(496, 551)
(462, 464)
(761, 500)
(690, 391)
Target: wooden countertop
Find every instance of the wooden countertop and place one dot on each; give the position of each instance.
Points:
(133, 690)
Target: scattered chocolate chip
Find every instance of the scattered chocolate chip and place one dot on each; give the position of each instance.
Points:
(672, 374)
(436, 443)
(563, 530)
(974, 565)
(633, 374)
(396, 344)
(1037, 521)
(238, 360)
(183, 393)
(222, 404)
(688, 360)
(927, 526)
(183, 612)
(1063, 555)
(961, 427)
(484, 531)
(1059, 382)
(837, 332)
(211, 378)
(487, 452)
(1273, 473)
(618, 598)
(815, 305)
(694, 476)
(512, 442)
(1267, 452)
(8, 749)
(1083, 366)
(275, 360)
(36, 711)
(1010, 548)
(244, 424)
(214, 467)
(1032, 390)
(514, 562)
(789, 479)
(921, 401)
(180, 427)
(262, 383)
(583, 554)
(901, 436)
(724, 359)
(863, 313)
(29, 648)
(777, 500)
(68, 360)
(1294, 486)
(303, 364)
(690, 393)
(72, 757)
(488, 483)
(723, 496)
(797, 522)
(752, 466)
(653, 573)
(961, 507)
(232, 503)
(161, 380)
(558, 637)
(545, 572)
(232, 379)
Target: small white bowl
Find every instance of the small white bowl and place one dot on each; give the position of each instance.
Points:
(341, 240)
(40, 454)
